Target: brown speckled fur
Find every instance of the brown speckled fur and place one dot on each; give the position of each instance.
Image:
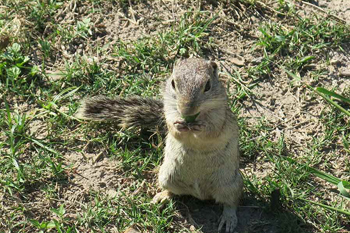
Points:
(128, 113)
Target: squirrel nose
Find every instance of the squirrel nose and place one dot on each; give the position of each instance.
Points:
(190, 119)
(188, 110)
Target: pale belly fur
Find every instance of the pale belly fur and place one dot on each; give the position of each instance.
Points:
(189, 172)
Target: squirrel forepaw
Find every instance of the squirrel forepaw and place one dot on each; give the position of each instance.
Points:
(183, 126)
(197, 126)
(228, 218)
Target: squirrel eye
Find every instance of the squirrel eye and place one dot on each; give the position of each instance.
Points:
(207, 86)
(173, 84)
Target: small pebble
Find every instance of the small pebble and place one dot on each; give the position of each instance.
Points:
(4, 41)
(131, 230)
(344, 73)
(237, 61)
(335, 62)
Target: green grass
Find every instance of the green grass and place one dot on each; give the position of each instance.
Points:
(42, 145)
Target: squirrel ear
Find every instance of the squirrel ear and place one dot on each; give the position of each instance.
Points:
(214, 66)
(177, 62)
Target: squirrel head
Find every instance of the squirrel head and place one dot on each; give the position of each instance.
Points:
(193, 89)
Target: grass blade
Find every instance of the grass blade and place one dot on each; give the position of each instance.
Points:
(325, 176)
(332, 102)
(343, 186)
(45, 147)
(335, 95)
(306, 59)
(294, 76)
(327, 207)
(346, 143)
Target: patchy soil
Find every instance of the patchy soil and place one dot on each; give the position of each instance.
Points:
(289, 109)
(340, 8)
(90, 174)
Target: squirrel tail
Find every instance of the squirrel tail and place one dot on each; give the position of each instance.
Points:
(129, 113)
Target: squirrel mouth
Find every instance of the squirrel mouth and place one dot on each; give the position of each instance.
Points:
(181, 126)
(184, 127)
(187, 123)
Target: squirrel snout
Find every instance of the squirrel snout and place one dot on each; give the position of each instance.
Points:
(188, 110)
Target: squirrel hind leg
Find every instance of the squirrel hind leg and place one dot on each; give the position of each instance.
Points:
(229, 194)
(162, 197)
(228, 218)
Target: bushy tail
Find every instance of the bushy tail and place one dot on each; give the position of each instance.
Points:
(128, 113)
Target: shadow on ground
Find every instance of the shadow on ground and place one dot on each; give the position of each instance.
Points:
(254, 216)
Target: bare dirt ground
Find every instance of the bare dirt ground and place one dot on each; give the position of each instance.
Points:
(340, 8)
(287, 108)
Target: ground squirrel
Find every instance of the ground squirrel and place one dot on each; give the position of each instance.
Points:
(201, 155)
